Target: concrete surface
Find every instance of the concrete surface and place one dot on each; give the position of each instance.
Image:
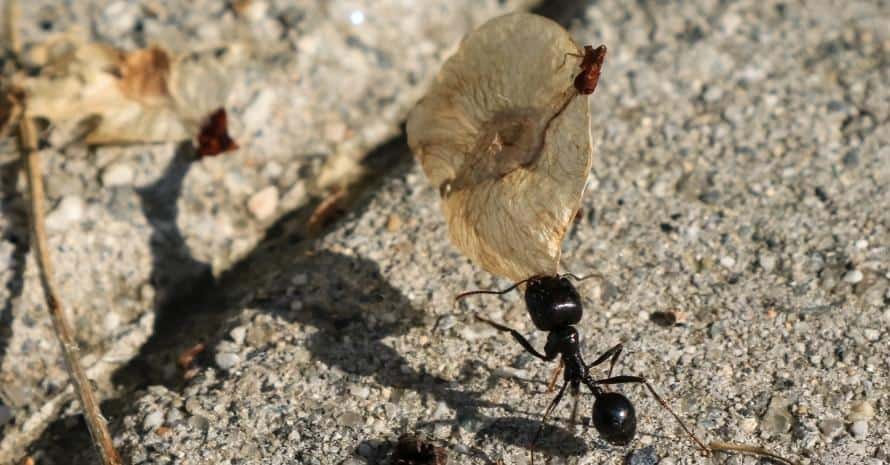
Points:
(740, 181)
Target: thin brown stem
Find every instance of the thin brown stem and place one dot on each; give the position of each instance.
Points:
(31, 160)
(745, 449)
(82, 385)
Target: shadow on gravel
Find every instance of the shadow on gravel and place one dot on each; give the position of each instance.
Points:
(342, 297)
(13, 208)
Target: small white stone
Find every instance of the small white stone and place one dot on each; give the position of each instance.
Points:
(256, 115)
(272, 170)
(361, 392)
(263, 204)
(859, 429)
(295, 197)
(227, 360)
(111, 321)
(861, 244)
(727, 262)
(152, 420)
(238, 334)
(767, 261)
(853, 276)
(749, 424)
(117, 174)
(69, 211)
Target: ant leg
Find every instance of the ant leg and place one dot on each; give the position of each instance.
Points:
(519, 338)
(612, 353)
(555, 376)
(547, 413)
(566, 55)
(576, 390)
(640, 380)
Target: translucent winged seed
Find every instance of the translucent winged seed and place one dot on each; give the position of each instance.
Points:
(503, 137)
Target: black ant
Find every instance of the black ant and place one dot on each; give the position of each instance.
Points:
(555, 307)
(591, 66)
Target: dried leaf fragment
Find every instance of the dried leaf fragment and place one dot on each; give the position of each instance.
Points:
(145, 95)
(503, 137)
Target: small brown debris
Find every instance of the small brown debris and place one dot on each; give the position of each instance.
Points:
(213, 138)
(413, 450)
(328, 210)
(393, 223)
(664, 319)
(186, 360)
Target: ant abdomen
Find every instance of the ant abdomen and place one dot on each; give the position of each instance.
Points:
(614, 418)
(553, 302)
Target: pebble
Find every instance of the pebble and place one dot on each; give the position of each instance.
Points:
(153, 420)
(859, 429)
(871, 334)
(830, 427)
(749, 424)
(767, 261)
(263, 204)
(69, 211)
(257, 114)
(5, 414)
(351, 419)
(644, 456)
(120, 17)
(853, 276)
(227, 360)
(111, 321)
(117, 174)
(727, 262)
(361, 392)
(199, 422)
(777, 419)
(365, 449)
(238, 333)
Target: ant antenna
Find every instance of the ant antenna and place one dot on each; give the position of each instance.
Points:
(467, 294)
(583, 278)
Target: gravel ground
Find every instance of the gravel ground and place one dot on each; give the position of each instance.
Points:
(740, 182)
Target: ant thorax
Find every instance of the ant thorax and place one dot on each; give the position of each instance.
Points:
(553, 302)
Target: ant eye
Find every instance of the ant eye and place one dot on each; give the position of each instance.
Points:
(615, 418)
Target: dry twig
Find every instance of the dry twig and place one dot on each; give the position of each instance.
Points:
(31, 160)
(95, 421)
(745, 449)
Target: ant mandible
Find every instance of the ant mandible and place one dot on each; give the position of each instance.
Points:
(591, 65)
(555, 306)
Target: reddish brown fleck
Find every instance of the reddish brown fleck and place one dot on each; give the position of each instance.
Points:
(186, 360)
(591, 65)
(214, 139)
(328, 210)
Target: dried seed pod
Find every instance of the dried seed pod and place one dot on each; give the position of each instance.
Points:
(504, 138)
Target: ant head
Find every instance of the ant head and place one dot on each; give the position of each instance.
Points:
(615, 418)
(553, 302)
